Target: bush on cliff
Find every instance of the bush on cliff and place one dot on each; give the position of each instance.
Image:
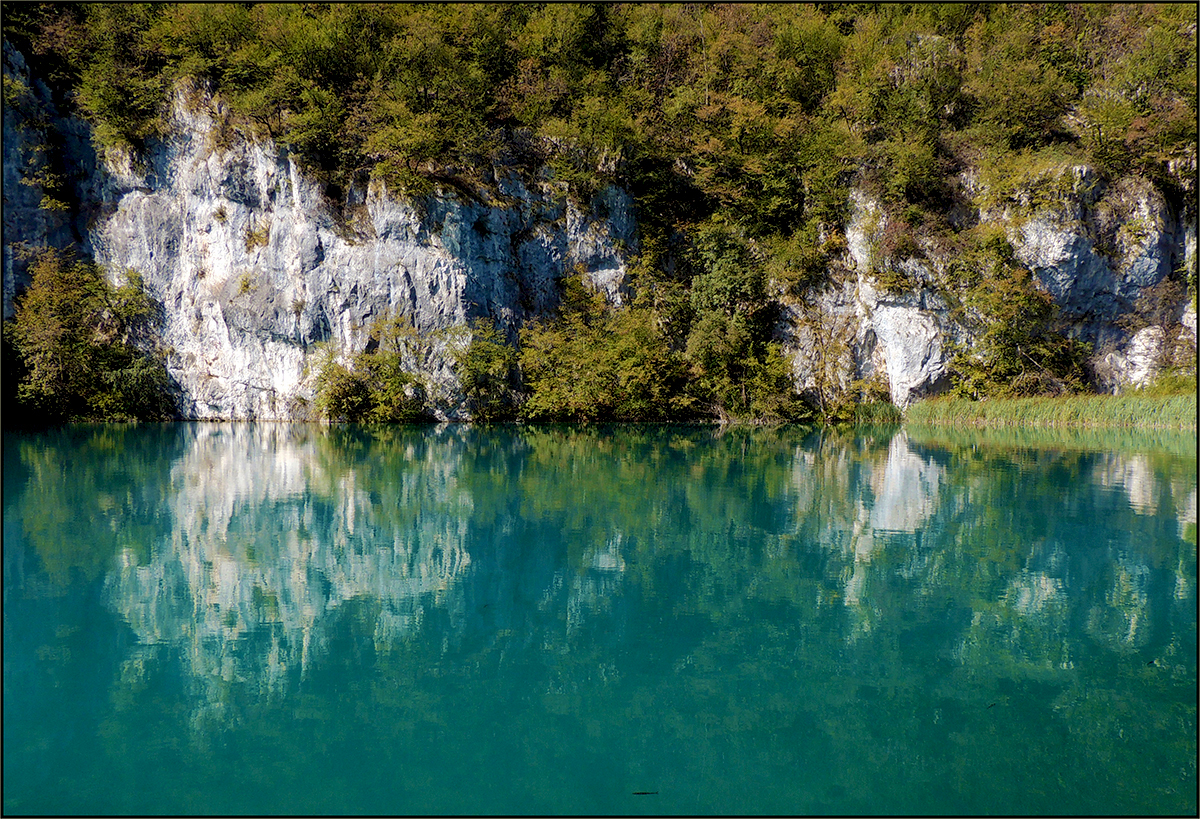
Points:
(1016, 351)
(487, 371)
(381, 385)
(594, 362)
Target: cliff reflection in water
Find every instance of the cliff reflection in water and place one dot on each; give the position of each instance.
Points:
(816, 601)
(272, 529)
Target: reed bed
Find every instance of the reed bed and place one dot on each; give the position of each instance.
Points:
(880, 413)
(1177, 444)
(1134, 410)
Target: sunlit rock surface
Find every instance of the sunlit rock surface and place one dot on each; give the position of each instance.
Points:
(856, 331)
(255, 262)
(1095, 249)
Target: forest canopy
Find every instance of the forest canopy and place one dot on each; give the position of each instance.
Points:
(751, 99)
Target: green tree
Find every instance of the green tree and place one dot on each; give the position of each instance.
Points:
(1016, 352)
(75, 335)
(122, 88)
(1019, 93)
(595, 362)
(737, 371)
(486, 370)
(381, 385)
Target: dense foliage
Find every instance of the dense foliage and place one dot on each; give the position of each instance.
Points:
(72, 354)
(1016, 351)
(737, 127)
(593, 363)
(381, 385)
(487, 374)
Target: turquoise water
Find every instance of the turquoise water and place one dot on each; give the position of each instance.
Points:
(265, 618)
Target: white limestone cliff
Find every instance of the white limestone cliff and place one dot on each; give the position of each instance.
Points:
(254, 265)
(1095, 248)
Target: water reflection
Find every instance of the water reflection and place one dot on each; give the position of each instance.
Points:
(271, 532)
(646, 576)
(266, 531)
(897, 494)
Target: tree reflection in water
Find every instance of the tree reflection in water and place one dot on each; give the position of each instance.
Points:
(771, 620)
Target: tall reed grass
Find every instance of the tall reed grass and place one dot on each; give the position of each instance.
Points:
(878, 413)
(1109, 411)
(1178, 445)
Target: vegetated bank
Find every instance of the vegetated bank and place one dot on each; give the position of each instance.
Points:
(1142, 409)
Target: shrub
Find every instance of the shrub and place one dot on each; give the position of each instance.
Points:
(342, 395)
(74, 334)
(257, 236)
(486, 370)
(595, 362)
(381, 385)
(1016, 350)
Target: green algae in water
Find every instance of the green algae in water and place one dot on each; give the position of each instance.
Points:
(265, 618)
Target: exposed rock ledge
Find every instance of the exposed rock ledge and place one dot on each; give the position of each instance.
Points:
(1095, 249)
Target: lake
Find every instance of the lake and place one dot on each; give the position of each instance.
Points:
(275, 618)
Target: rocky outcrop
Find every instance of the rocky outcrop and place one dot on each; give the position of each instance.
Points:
(856, 332)
(1099, 249)
(258, 267)
(255, 264)
(1096, 249)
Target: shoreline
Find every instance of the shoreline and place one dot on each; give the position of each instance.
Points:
(1135, 411)
(1130, 411)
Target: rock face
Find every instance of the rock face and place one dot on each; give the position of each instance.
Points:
(260, 270)
(897, 340)
(857, 332)
(254, 264)
(1096, 249)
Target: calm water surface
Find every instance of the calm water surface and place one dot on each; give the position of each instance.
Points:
(295, 619)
